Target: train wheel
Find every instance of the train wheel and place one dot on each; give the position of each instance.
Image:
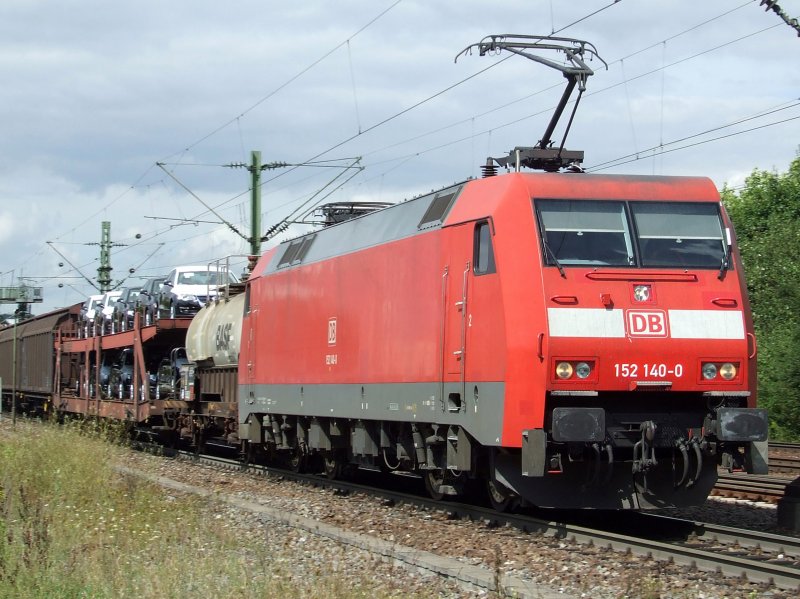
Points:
(297, 460)
(499, 496)
(333, 465)
(248, 455)
(433, 483)
(199, 441)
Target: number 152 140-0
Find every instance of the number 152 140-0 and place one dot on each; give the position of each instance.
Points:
(629, 371)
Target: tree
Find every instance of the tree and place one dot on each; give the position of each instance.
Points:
(766, 216)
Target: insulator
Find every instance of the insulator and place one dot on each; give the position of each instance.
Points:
(489, 169)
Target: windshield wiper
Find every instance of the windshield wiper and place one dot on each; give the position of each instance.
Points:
(724, 266)
(552, 255)
(726, 256)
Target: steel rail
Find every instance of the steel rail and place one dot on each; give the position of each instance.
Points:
(781, 445)
(766, 488)
(789, 547)
(791, 464)
(755, 569)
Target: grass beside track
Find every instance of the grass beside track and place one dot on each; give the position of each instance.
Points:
(72, 526)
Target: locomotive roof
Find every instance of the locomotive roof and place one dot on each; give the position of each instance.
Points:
(475, 199)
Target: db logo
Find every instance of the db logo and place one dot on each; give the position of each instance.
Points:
(647, 323)
(331, 331)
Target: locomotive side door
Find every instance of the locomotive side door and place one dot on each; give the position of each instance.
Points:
(251, 314)
(455, 310)
(473, 325)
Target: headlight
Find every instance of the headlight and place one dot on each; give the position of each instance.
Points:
(582, 370)
(709, 371)
(727, 371)
(564, 370)
(641, 293)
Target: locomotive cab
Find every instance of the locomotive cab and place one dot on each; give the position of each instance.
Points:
(646, 342)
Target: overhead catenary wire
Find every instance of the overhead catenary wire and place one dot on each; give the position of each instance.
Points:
(558, 85)
(290, 80)
(516, 121)
(425, 100)
(402, 158)
(236, 119)
(594, 92)
(665, 150)
(353, 80)
(264, 98)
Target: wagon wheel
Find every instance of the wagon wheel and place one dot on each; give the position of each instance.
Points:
(297, 460)
(170, 420)
(198, 439)
(333, 465)
(500, 496)
(248, 455)
(433, 483)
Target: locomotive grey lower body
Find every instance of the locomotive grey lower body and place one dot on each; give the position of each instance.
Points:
(611, 453)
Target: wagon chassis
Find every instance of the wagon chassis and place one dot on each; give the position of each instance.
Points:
(77, 388)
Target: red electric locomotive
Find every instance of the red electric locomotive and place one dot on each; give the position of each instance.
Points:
(573, 340)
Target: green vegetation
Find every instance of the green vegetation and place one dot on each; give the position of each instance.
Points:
(71, 526)
(766, 215)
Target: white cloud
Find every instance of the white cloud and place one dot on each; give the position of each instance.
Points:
(6, 226)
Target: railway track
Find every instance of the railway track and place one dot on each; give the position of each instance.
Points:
(784, 466)
(769, 489)
(778, 445)
(757, 556)
(784, 463)
(784, 458)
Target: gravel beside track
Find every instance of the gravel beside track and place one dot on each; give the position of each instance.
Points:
(551, 566)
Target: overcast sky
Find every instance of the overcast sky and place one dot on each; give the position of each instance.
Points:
(95, 93)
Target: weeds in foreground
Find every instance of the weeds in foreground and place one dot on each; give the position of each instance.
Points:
(72, 527)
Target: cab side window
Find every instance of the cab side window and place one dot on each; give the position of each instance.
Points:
(483, 250)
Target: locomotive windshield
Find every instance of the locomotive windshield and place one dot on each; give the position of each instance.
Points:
(581, 232)
(679, 234)
(647, 234)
